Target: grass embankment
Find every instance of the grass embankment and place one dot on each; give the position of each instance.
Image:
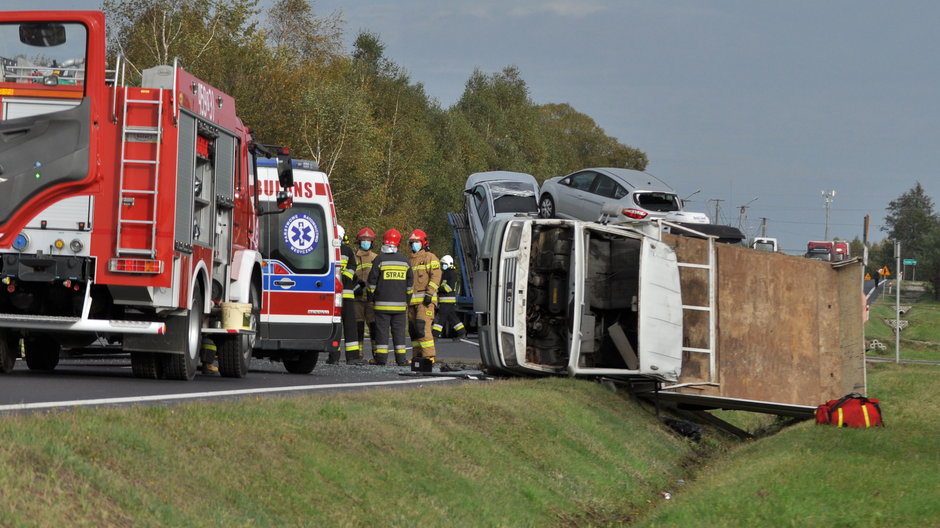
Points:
(921, 339)
(507, 453)
(553, 452)
(811, 475)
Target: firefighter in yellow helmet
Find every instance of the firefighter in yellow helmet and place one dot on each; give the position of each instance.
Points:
(427, 278)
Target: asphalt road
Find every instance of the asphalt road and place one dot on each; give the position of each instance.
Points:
(107, 380)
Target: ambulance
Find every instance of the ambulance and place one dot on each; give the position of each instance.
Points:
(301, 281)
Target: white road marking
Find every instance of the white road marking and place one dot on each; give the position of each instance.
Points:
(467, 341)
(212, 394)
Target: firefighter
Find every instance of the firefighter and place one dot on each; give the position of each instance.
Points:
(364, 312)
(390, 287)
(427, 278)
(348, 270)
(447, 307)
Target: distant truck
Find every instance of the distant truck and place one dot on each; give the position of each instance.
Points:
(829, 251)
(819, 250)
(765, 244)
(700, 320)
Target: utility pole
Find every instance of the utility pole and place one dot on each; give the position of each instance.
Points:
(897, 304)
(828, 196)
(742, 216)
(717, 209)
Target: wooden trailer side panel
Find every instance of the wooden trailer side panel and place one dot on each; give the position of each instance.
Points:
(789, 329)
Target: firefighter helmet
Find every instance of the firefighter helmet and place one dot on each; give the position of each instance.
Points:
(447, 259)
(365, 234)
(392, 237)
(341, 231)
(419, 235)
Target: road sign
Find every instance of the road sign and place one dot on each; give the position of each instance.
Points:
(910, 262)
(884, 271)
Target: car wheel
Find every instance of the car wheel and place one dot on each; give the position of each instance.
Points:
(42, 352)
(146, 365)
(304, 363)
(9, 351)
(547, 206)
(184, 366)
(235, 351)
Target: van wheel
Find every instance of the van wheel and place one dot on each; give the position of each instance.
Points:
(42, 353)
(547, 206)
(183, 366)
(303, 364)
(235, 352)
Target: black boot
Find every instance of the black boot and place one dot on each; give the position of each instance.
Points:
(333, 358)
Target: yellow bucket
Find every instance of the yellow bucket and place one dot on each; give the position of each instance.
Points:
(236, 315)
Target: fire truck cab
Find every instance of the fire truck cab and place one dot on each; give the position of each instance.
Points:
(128, 214)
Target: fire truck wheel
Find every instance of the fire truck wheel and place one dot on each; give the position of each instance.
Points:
(235, 352)
(146, 365)
(9, 351)
(303, 363)
(42, 353)
(184, 366)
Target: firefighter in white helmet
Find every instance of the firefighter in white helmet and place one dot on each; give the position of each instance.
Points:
(447, 302)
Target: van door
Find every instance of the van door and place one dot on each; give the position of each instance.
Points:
(298, 274)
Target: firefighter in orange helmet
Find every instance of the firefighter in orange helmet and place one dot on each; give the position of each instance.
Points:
(365, 255)
(389, 284)
(427, 278)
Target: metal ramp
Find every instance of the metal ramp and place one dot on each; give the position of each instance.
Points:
(465, 252)
(709, 308)
(138, 184)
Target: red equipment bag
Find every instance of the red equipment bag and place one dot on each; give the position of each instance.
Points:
(852, 410)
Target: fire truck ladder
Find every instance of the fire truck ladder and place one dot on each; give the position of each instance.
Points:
(146, 129)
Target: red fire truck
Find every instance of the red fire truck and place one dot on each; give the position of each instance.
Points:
(128, 215)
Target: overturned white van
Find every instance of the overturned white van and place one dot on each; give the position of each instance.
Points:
(567, 296)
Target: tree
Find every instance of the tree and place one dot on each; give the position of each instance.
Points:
(910, 218)
(576, 142)
(928, 265)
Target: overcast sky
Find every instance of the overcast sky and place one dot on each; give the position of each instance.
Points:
(742, 99)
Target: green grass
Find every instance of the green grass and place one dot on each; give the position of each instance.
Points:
(810, 475)
(919, 341)
(509, 453)
(547, 452)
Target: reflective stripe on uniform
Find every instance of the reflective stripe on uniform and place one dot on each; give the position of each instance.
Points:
(448, 300)
(387, 306)
(437, 327)
(458, 327)
(352, 346)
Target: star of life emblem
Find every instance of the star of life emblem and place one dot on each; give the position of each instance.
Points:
(301, 233)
